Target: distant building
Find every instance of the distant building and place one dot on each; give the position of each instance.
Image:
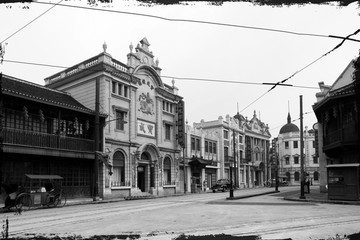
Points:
(202, 159)
(243, 148)
(289, 159)
(256, 163)
(142, 130)
(230, 135)
(338, 124)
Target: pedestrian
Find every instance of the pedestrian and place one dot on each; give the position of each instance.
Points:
(307, 182)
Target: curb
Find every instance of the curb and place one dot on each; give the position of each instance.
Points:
(296, 199)
(251, 195)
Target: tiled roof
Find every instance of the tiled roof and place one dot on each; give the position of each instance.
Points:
(24, 89)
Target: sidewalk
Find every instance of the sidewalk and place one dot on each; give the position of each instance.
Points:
(316, 196)
(293, 195)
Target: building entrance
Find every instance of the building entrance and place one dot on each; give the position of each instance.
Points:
(141, 178)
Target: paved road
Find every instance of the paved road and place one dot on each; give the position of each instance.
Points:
(268, 216)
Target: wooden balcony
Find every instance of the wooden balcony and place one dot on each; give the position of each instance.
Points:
(347, 135)
(44, 140)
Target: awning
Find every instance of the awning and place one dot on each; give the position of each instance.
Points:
(343, 165)
(195, 161)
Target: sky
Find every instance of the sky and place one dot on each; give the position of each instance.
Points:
(235, 58)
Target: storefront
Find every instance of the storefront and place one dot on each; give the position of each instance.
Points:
(343, 181)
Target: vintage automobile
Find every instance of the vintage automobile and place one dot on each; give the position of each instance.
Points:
(221, 184)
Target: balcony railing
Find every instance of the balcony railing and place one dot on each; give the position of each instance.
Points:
(120, 184)
(44, 140)
(166, 183)
(344, 135)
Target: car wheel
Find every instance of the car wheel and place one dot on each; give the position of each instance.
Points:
(213, 190)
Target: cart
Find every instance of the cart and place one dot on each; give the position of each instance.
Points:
(40, 190)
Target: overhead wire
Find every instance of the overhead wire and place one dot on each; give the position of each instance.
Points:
(281, 83)
(295, 120)
(162, 76)
(54, 5)
(204, 22)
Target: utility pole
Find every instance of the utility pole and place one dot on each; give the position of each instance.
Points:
(302, 195)
(356, 78)
(2, 53)
(1, 132)
(235, 163)
(97, 131)
(231, 169)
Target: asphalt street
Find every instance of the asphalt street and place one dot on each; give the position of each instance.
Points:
(267, 216)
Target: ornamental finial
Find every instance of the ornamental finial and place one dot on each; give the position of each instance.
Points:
(104, 47)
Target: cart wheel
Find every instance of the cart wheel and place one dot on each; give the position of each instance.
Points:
(61, 199)
(51, 200)
(54, 200)
(23, 202)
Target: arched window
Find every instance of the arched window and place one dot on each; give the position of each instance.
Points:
(288, 176)
(297, 176)
(118, 177)
(167, 171)
(316, 176)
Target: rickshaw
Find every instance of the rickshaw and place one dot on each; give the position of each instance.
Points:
(39, 190)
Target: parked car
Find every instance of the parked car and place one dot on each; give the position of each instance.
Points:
(221, 184)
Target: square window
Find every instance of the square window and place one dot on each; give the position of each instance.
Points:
(126, 90)
(120, 120)
(120, 89)
(167, 131)
(113, 88)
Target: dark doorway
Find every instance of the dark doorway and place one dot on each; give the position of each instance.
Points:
(141, 178)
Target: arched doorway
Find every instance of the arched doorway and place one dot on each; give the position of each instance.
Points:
(142, 171)
(149, 156)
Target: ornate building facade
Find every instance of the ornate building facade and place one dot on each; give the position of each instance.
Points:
(288, 142)
(243, 147)
(229, 148)
(202, 159)
(256, 163)
(140, 135)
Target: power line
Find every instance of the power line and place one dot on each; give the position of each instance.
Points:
(295, 120)
(54, 5)
(281, 83)
(172, 77)
(253, 102)
(336, 47)
(231, 81)
(206, 22)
